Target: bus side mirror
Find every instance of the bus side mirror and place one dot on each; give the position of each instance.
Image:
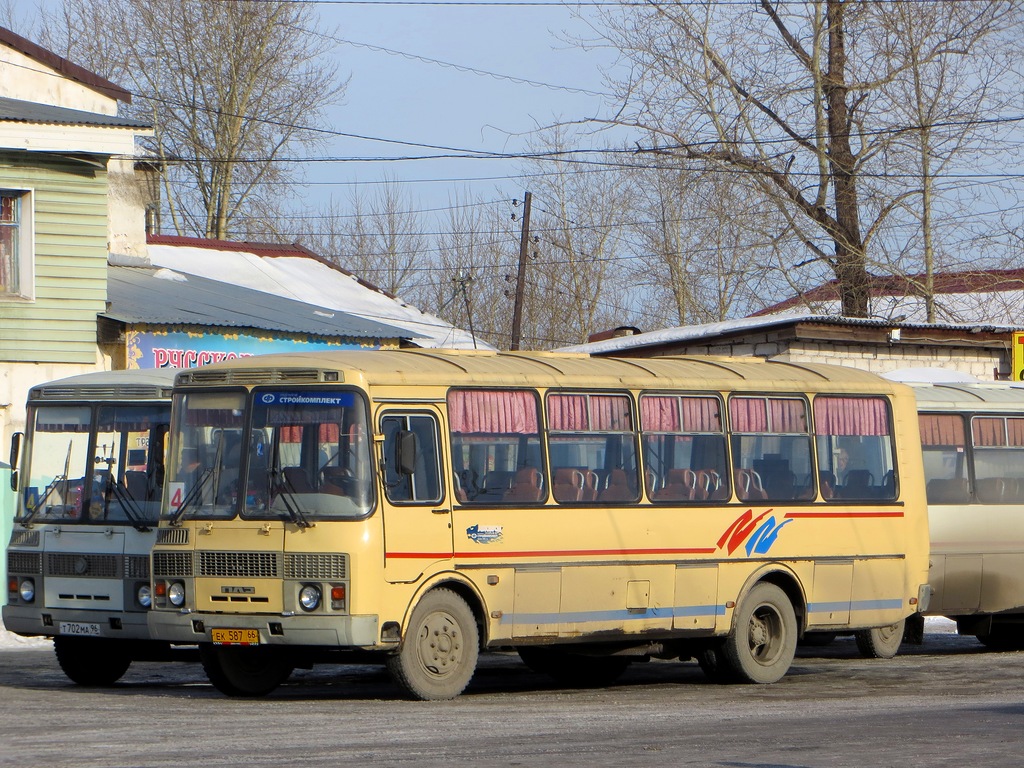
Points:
(16, 439)
(406, 448)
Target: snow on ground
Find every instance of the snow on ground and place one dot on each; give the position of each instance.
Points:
(12, 642)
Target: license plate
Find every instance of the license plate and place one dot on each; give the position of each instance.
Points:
(235, 636)
(79, 628)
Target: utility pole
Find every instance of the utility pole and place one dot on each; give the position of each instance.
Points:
(524, 243)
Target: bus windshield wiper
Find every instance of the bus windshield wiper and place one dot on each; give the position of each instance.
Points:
(59, 481)
(191, 496)
(291, 503)
(131, 508)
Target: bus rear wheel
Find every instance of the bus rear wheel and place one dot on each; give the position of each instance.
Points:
(439, 653)
(574, 670)
(880, 642)
(761, 647)
(92, 661)
(244, 672)
(1003, 638)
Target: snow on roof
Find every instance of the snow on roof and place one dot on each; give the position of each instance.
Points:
(696, 333)
(296, 273)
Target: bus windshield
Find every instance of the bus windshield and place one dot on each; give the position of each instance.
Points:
(303, 456)
(102, 464)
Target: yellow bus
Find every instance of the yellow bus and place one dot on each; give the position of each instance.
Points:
(972, 438)
(417, 507)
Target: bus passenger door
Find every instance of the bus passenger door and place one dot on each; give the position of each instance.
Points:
(417, 515)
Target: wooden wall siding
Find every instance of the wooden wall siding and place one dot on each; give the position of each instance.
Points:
(70, 211)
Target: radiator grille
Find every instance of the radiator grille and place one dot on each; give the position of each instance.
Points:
(25, 539)
(324, 567)
(172, 536)
(72, 564)
(24, 562)
(136, 567)
(167, 564)
(238, 564)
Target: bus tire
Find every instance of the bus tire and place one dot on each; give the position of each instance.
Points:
(1002, 638)
(574, 670)
(243, 672)
(761, 647)
(880, 642)
(439, 652)
(92, 661)
(715, 665)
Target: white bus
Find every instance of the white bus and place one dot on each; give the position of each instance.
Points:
(972, 439)
(88, 475)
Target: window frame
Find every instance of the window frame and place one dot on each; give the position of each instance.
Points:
(406, 416)
(24, 229)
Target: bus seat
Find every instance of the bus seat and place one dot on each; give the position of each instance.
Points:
(589, 486)
(460, 492)
(136, 485)
(859, 484)
(296, 481)
(617, 487)
(710, 486)
(990, 490)
(567, 484)
(680, 485)
(827, 483)
(948, 491)
(748, 485)
(335, 480)
(528, 486)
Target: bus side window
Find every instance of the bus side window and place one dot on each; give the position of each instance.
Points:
(423, 484)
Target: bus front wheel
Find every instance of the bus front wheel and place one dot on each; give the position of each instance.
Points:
(243, 671)
(91, 661)
(439, 653)
(761, 647)
(880, 642)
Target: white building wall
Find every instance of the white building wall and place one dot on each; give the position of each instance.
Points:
(38, 83)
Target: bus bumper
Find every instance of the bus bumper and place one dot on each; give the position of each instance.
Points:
(30, 621)
(327, 631)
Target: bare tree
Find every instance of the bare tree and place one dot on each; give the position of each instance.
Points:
(795, 96)
(228, 87)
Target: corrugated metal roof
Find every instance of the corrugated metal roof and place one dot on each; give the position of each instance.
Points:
(164, 297)
(15, 110)
(712, 331)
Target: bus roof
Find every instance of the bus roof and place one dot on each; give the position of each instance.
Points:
(142, 384)
(543, 369)
(991, 396)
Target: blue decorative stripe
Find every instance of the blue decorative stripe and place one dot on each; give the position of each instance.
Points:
(855, 605)
(583, 617)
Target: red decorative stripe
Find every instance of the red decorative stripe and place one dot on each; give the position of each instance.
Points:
(550, 553)
(844, 515)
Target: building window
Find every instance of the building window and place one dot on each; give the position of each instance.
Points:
(16, 277)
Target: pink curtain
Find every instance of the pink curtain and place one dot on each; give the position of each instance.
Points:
(748, 414)
(660, 413)
(1015, 427)
(567, 413)
(788, 415)
(941, 429)
(851, 416)
(589, 413)
(492, 411)
(668, 413)
(988, 431)
(610, 413)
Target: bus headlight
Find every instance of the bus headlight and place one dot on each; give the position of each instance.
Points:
(309, 597)
(27, 590)
(176, 594)
(144, 596)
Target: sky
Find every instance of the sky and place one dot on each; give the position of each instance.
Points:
(415, 100)
(410, 66)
